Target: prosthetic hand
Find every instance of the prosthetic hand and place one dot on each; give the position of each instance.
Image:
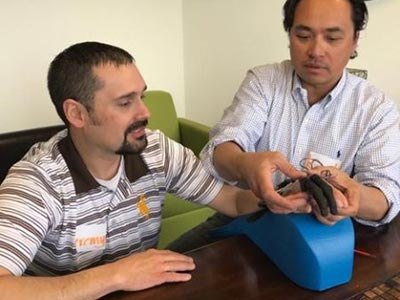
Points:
(318, 188)
(322, 192)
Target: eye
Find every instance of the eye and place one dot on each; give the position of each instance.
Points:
(124, 103)
(303, 37)
(332, 39)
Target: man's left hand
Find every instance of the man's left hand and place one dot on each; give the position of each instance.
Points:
(346, 192)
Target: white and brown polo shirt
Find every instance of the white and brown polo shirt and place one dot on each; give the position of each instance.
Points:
(55, 218)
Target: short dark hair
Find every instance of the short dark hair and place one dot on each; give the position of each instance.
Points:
(71, 74)
(359, 14)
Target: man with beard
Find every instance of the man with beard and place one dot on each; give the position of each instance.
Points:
(81, 212)
(309, 112)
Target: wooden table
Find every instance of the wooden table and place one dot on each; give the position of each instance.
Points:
(236, 269)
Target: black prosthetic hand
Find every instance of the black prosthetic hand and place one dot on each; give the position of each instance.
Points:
(314, 185)
(322, 192)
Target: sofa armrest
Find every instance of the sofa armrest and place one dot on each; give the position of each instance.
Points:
(193, 135)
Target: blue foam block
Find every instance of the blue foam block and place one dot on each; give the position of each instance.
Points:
(311, 254)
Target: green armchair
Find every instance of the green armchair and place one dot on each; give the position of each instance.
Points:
(178, 216)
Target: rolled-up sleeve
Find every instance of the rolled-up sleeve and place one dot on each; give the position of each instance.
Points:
(377, 162)
(242, 122)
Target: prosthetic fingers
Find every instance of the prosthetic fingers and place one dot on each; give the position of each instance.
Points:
(317, 187)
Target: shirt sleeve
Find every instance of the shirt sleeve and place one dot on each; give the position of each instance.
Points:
(243, 121)
(377, 161)
(186, 176)
(24, 218)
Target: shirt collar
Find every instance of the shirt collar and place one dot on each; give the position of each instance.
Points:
(83, 181)
(299, 93)
(337, 90)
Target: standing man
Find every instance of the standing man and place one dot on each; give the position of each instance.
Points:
(82, 211)
(310, 109)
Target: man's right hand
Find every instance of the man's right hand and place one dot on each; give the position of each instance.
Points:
(258, 168)
(152, 267)
(133, 273)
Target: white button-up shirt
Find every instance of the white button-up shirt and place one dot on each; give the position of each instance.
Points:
(355, 123)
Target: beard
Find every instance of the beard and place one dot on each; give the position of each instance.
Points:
(138, 145)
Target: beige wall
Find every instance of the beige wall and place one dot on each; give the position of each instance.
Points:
(224, 38)
(32, 32)
(199, 50)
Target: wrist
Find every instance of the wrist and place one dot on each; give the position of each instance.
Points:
(115, 279)
(107, 278)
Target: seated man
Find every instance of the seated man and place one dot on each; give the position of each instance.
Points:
(82, 211)
(310, 109)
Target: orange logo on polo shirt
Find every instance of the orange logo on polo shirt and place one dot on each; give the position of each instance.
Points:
(90, 237)
(142, 207)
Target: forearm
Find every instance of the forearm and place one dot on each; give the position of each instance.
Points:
(233, 201)
(246, 202)
(86, 285)
(373, 204)
(227, 158)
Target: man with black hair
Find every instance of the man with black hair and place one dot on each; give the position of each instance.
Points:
(310, 109)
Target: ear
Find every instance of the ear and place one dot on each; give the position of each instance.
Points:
(75, 113)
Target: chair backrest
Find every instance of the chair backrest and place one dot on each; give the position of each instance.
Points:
(163, 114)
(14, 145)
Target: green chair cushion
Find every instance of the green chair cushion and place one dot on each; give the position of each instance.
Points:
(175, 206)
(193, 134)
(162, 113)
(173, 227)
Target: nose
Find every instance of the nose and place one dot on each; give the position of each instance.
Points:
(143, 111)
(316, 48)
